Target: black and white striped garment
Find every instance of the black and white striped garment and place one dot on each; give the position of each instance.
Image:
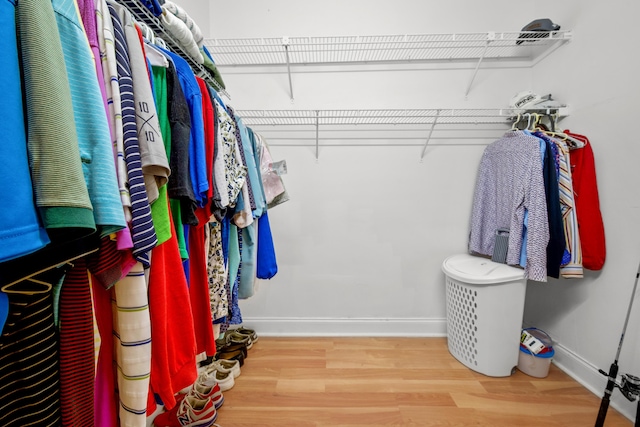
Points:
(29, 363)
(142, 231)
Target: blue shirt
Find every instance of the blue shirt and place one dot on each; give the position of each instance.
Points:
(197, 154)
(21, 231)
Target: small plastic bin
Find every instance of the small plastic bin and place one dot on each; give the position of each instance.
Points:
(536, 364)
(485, 305)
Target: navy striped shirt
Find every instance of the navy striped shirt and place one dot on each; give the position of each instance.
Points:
(142, 231)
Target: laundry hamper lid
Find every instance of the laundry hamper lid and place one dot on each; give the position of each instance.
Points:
(478, 270)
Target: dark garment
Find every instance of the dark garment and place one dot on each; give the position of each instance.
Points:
(77, 348)
(29, 363)
(153, 6)
(180, 186)
(557, 242)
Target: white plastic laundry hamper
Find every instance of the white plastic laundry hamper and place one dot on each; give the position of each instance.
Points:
(485, 305)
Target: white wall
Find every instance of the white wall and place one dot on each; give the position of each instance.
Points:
(597, 73)
(361, 242)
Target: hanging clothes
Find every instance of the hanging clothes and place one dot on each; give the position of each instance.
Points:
(29, 349)
(217, 274)
(143, 232)
(106, 43)
(173, 362)
(58, 182)
(77, 369)
(572, 268)
(509, 181)
(155, 167)
(266, 265)
(557, 241)
(587, 200)
(22, 233)
(94, 139)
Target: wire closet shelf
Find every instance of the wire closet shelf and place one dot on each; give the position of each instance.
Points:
(523, 46)
(389, 116)
(377, 119)
(527, 48)
(143, 14)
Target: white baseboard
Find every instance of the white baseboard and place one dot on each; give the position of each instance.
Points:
(588, 376)
(305, 326)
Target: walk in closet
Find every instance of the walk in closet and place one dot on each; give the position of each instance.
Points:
(370, 119)
(371, 219)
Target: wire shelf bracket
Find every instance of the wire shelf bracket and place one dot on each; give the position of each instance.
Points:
(285, 44)
(490, 37)
(426, 143)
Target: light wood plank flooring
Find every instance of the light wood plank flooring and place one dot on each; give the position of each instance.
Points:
(322, 382)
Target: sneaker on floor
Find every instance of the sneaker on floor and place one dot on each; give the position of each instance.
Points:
(211, 378)
(190, 412)
(223, 365)
(204, 392)
(246, 331)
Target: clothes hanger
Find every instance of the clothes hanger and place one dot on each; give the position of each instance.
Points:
(515, 122)
(528, 121)
(160, 42)
(572, 142)
(52, 256)
(38, 287)
(537, 120)
(147, 32)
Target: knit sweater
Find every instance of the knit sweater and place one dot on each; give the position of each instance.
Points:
(509, 181)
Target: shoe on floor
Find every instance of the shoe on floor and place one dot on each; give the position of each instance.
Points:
(234, 337)
(223, 365)
(236, 355)
(211, 378)
(204, 392)
(190, 412)
(246, 331)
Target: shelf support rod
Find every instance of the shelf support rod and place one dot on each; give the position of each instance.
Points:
(490, 37)
(317, 134)
(426, 143)
(285, 43)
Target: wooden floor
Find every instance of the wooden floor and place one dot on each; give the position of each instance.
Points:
(322, 382)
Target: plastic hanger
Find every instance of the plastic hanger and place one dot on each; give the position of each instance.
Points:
(515, 122)
(537, 118)
(38, 287)
(572, 143)
(528, 121)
